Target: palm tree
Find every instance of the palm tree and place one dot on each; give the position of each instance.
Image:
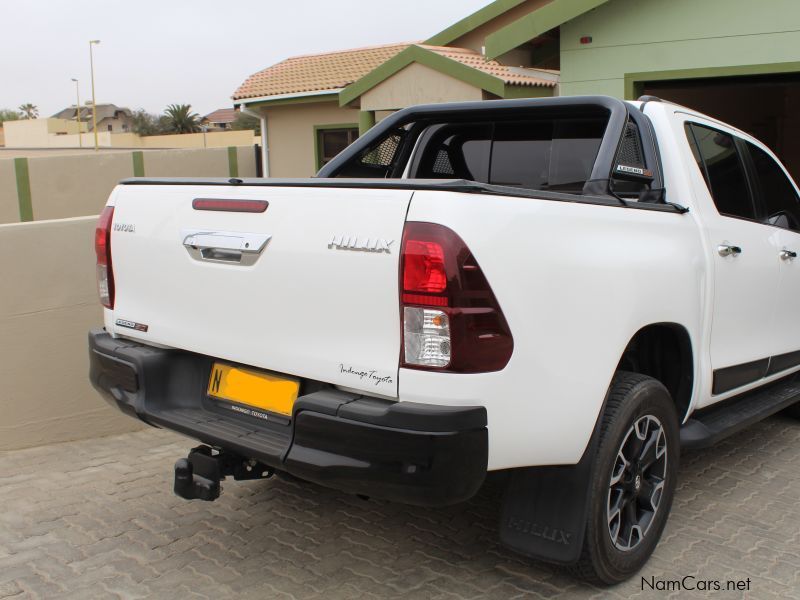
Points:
(180, 119)
(29, 111)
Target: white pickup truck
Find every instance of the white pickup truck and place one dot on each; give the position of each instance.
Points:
(568, 290)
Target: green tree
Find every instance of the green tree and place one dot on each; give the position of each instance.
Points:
(29, 111)
(6, 114)
(244, 121)
(145, 123)
(179, 118)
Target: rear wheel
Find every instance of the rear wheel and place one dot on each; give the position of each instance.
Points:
(634, 478)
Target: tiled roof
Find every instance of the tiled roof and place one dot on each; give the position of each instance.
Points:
(316, 72)
(221, 115)
(103, 111)
(509, 75)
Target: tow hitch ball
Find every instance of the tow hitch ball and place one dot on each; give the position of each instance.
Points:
(198, 476)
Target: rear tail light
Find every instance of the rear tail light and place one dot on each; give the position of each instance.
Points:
(102, 247)
(451, 318)
(426, 336)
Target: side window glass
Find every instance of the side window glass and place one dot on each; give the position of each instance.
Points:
(719, 161)
(776, 190)
(458, 151)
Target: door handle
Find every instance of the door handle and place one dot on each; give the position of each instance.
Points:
(788, 254)
(728, 250)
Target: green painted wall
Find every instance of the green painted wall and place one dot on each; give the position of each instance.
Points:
(641, 36)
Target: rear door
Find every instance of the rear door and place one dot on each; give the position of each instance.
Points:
(309, 287)
(743, 255)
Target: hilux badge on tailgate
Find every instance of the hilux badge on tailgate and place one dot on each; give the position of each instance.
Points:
(356, 242)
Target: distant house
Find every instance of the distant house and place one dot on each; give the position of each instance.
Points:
(110, 117)
(734, 59)
(220, 119)
(312, 107)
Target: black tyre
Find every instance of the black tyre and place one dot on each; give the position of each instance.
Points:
(633, 480)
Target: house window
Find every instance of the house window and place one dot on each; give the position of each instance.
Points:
(331, 142)
(111, 128)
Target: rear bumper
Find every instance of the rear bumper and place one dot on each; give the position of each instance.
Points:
(402, 451)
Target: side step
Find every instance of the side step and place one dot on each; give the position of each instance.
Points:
(708, 426)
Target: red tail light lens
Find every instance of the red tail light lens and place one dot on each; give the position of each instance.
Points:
(424, 267)
(102, 248)
(451, 318)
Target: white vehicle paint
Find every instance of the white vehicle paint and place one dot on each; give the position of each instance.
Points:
(575, 281)
(295, 309)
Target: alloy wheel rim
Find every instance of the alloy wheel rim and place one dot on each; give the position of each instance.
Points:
(636, 485)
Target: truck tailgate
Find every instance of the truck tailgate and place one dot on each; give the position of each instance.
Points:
(305, 306)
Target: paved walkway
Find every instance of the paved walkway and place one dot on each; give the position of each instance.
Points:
(97, 519)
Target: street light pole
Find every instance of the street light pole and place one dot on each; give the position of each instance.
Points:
(94, 101)
(78, 112)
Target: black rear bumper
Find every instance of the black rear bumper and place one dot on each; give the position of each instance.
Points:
(402, 451)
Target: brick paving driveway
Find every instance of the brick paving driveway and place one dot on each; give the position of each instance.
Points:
(97, 519)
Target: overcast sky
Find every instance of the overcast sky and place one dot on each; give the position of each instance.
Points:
(157, 52)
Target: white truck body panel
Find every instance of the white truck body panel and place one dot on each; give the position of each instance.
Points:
(551, 265)
(303, 308)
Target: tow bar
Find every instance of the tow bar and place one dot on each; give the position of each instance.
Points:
(198, 476)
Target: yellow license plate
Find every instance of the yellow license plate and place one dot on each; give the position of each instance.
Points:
(253, 388)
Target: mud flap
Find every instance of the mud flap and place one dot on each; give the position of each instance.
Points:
(545, 509)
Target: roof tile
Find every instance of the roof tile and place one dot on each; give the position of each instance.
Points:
(316, 72)
(509, 75)
(222, 115)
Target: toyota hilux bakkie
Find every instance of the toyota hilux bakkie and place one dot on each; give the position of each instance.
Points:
(567, 290)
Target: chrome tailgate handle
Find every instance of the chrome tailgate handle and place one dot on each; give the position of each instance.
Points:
(225, 246)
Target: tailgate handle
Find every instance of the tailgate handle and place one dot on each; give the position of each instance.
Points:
(225, 246)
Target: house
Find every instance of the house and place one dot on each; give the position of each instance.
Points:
(221, 119)
(110, 117)
(297, 101)
(735, 59)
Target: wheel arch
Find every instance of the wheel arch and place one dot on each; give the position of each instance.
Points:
(663, 351)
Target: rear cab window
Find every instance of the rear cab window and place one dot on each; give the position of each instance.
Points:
(594, 147)
(544, 154)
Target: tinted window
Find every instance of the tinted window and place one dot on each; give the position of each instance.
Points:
(521, 154)
(776, 191)
(547, 154)
(456, 152)
(332, 141)
(719, 161)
